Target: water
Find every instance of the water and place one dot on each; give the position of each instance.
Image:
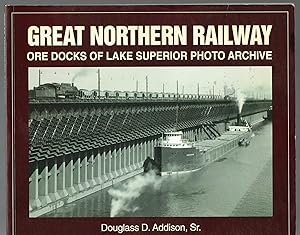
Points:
(239, 184)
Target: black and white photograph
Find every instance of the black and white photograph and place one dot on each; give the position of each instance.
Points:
(167, 141)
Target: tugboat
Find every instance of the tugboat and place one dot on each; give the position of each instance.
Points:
(175, 155)
(269, 114)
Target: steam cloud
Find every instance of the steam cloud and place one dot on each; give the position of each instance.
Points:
(124, 196)
(81, 72)
(240, 100)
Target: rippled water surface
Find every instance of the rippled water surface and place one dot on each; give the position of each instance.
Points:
(239, 184)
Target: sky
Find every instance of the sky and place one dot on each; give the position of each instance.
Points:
(254, 81)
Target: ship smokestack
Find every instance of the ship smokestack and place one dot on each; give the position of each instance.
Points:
(238, 119)
(72, 83)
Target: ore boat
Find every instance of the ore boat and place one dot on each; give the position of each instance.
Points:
(175, 155)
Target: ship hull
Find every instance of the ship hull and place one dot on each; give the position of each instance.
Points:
(184, 160)
(177, 160)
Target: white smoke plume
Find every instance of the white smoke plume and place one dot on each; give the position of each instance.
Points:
(241, 98)
(124, 196)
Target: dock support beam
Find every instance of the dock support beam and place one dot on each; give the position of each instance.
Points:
(53, 172)
(34, 201)
(43, 182)
(61, 177)
(90, 169)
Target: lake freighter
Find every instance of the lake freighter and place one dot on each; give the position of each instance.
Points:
(175, 155)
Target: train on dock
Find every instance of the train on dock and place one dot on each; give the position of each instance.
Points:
(59, 91)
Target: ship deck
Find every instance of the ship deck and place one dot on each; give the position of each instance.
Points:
(206, 145)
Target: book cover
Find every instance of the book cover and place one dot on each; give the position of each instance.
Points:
(151, 119)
